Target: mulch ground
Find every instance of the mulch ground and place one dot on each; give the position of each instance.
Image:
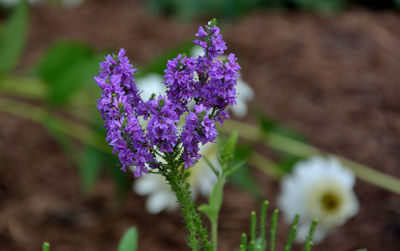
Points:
(335, 79)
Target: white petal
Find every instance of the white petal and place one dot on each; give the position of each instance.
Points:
(159, 201)
(240, 109)
(197, 51)
(149, 84)
(148, 184)
(244, 90)
(302, 190)
(244, 94)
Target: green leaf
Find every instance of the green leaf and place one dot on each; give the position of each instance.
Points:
(213, 168)
(12, 37)
(89, 168)
(215, 202)
(46, 246)
(292, 234)
(235, 167)
(288, 162)
(129, 240)
(66, 68)
(274, 226)
(309, 243)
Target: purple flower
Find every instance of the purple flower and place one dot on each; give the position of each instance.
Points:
(161, 129)
(139, 130)
(199, 128)
(179, 80)
(118, 106)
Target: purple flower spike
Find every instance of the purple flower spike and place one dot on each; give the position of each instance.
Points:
(161, 129)
(199, 128)
(199, 88)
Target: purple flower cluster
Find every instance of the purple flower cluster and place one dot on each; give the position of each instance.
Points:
(199, 88)
(119, 106)
(199, 127)
(162, 129)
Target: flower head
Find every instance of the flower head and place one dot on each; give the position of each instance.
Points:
(318, 189)
(244, 92)
(140, 129)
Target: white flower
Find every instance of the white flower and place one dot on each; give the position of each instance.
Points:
(149, 84)
(160, 195)
(244, 92)
(319, 188)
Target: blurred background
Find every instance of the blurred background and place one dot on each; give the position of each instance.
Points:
(328, 70)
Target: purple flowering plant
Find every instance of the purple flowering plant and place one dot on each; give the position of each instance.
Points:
(146, 134)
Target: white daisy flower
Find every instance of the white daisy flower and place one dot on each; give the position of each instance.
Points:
(244, 92)
(160, 195)
(319, 188)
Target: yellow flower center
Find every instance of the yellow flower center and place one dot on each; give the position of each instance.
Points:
(330, 201)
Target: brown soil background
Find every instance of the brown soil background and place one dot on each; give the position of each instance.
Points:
(334, 79)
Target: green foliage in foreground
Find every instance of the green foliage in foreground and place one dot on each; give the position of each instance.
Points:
(46, 246)
(129, 240)
(258, 240)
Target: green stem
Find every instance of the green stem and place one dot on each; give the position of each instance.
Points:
(214, 234)
(198, 237)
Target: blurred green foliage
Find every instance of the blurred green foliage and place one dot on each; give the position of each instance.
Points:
(323, 6)
(190, 9)
(66, 68)
(233, 9)
(12, 37)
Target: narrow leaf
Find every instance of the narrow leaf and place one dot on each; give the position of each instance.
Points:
(244, 240)
(253, 226)
(129, 240)
(292, 234)
(274, 226)
(46, 246)
(263, 219)
(309, 242)
(12, 37)
(213, 168)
